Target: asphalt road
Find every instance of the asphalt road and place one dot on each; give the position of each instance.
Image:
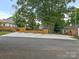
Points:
(34, 48)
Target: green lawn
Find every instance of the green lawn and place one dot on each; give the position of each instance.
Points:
(76, 37)
(4, 32)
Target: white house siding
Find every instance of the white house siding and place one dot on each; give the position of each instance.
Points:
(7, 24)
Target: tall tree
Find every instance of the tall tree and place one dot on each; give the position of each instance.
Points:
(59, 25)
(74, 16)
(50, 11)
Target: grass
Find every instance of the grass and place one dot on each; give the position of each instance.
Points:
(77, 38)
(4, 32)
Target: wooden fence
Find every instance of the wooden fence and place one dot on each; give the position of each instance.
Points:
(11, 29)
(43, 31)
(14, 29)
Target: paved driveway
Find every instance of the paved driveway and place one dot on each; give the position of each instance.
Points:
(35, 35)
(35, 48)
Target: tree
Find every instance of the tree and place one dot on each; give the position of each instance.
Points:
(74, 15)
(77, 16)
(59, 26)
(18, 20)
(31, 20)
(50, 11)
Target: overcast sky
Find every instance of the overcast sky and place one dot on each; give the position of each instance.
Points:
(6, 9)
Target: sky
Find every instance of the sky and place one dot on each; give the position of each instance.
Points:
(76, 4)
(6, 9)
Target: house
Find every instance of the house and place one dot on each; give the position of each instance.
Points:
(71, 30)
(7, 25)
(7, 22)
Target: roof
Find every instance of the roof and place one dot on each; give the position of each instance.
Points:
(8, 20)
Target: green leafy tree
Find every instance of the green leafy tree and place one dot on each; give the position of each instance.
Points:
(77, 16)
(74, 15)
(19, 21)
(59, 26)
(50, 11)
(31, 20)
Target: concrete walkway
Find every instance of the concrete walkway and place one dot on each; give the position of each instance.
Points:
(35, 35)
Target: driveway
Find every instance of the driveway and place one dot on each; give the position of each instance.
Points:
(37, 48)
(35, 35)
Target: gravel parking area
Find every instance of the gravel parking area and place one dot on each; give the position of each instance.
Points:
(35, 35)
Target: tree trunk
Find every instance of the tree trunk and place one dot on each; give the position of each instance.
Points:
(51, 28)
